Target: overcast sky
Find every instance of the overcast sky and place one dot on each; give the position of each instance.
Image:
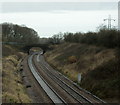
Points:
(49, 18)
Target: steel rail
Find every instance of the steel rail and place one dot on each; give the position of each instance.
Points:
(66, 87)
(46, 87)
(87, 92)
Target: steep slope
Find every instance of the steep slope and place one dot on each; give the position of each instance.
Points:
(13, 90)
(97, 65)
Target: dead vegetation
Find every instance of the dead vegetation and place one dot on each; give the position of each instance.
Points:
(72, 59)
(89, 60)
(12, 85)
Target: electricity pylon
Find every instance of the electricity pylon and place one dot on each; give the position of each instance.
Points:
(109, 21)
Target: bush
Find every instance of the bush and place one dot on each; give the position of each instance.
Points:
(106, 38)
(72, 59)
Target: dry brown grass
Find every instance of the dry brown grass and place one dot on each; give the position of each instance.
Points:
(72, 59)
(89, 58)
(86, 58)
(13, 89)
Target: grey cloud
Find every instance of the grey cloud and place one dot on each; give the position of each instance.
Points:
(51, 6)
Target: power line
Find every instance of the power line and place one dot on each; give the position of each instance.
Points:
(109, 19)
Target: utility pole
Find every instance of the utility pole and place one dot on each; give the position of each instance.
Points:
(109, 21)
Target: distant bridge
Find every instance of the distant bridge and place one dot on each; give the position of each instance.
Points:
(42, 46)
(26, 48)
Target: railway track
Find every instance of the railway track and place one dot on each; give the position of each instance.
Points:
(46, 87)
(91, 98)
(50, 91)
(80, 98)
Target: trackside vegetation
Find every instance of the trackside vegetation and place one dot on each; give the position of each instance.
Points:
(13, 89)
(104, 37)
(96, 55)
(14, 37)
(18, 34)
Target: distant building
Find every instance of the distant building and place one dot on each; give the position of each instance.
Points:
(119, 15)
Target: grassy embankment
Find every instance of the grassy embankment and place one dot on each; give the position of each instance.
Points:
(98, 66)
(13, 88)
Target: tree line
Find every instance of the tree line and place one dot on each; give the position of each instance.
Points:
(18, 34)
(27, 36)
(104, 37)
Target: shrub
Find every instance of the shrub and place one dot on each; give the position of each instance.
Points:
(72, 59)
(104, 37)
